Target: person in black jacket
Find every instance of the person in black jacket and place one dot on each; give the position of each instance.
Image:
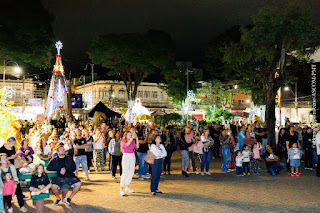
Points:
(183, 145)
(307, 145)
(170, 146)
(65, 168)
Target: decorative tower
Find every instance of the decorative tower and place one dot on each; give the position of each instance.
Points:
(58, 88)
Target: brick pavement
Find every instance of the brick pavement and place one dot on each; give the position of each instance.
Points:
(216, 193)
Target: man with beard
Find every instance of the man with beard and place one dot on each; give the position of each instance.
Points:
(65, 167)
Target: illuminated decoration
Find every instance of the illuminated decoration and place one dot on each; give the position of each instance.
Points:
(202, 96)
(190, 96)
(9, 125)
(136, 110)
(58, 88)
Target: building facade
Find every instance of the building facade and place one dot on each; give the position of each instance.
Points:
(113, 94)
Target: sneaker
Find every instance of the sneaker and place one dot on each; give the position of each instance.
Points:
(248, 173)
(289, 174)
(208, 173)
(10, 210)
(213, 157)
(122, 193)
(114, 178)
(244, 173)
(196, 172)
(202, 173)
(68, 201)
(83, 173)
(141, 178)
(147, 177)
(292, 174)
(12, 201)
(57, 202)
(129, 190)
(187, 172)
(298, 174)
(26, 198)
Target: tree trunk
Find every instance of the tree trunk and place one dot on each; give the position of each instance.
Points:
(270, 115)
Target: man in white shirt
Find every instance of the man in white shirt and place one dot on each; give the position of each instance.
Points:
(318, 150)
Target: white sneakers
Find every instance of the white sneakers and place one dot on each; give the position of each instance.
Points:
(208, 173)
(129, 190)
(202, 173)
(122, 193)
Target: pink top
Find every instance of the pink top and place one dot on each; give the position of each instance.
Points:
(188, 138)
(256, 151)
(9, 188)
(128, 149)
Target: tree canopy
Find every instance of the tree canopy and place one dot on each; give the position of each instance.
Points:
(26, 32)
(133, 56)
(263, 57)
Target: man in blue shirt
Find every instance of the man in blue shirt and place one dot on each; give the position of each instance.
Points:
(241, 137)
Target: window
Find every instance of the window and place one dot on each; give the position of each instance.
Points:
(121, 94)
(104, 94)
(140, 94)
(154, 94)
(146, 94)
(240, 102)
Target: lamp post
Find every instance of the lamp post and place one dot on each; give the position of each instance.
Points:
(187, 74)
(295, 98)
(92, 71)
(5, 63)
(84, 87)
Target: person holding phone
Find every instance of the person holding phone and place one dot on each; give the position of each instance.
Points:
(128, 144)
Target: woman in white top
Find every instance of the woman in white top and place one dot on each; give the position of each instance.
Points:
(44, 152)
(160, 152)
(98, 150)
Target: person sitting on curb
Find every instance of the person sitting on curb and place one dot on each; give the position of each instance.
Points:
(65, 167)
(273, 163)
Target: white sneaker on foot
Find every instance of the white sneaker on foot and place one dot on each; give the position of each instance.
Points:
(202, 173)
(208, 173)
(196, 172)
(129, 190)
(122, 193)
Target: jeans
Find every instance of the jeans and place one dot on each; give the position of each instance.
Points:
(82, 159)
(105, 151)
(315, 156)
(275, 168)
(143, 166)
(167, 162)
(255, 165)
(205, 160)
(308, 158)
(264, 143)
(246, 165)
(226, 158)
(156, 172)
(193, 161)
(241, 148)
(239, 170)
(318, 166)
(116, 161)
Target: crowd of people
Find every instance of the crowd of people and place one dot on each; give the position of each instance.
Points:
(65, 144)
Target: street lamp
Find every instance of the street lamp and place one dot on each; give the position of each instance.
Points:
(17, 69)
(92, 70)
(295, 98)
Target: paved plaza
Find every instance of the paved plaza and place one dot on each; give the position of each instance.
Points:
(216, 193)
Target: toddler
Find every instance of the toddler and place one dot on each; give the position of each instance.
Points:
(256, 156)
(294, 154)
(9, 188)
(239, 161)
(246, 160)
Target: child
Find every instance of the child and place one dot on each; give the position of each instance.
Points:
(239, 161)
(1, 196)
(246, 159)
(256, 156)
(9, 188)
(39, 187)
(295, 157)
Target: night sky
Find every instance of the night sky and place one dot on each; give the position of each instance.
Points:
(191, 23)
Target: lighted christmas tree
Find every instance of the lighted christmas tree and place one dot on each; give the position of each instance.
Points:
(58, 88)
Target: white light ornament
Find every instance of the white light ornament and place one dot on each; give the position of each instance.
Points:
(58, 46)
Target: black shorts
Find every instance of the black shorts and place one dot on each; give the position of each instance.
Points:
(60, 181)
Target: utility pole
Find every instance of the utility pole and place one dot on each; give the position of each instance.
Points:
(69, 96)
(92, 67)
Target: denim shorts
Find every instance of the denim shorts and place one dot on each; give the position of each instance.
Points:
(82, 159)
(295, 162)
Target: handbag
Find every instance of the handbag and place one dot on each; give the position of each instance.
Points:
(19, 162)
(149, 158)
